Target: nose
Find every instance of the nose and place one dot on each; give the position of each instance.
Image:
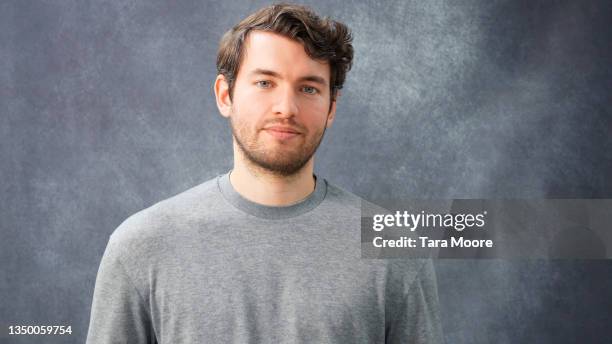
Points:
(286, 105)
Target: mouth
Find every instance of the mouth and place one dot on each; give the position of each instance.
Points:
(281, 133)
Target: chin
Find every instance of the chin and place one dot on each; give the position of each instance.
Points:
(282, 167)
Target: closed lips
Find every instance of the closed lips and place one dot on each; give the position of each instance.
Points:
(283, 130)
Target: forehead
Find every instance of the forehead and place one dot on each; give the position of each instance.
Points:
(271, 51)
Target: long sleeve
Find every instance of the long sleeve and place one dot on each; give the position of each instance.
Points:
(118, 313)
(414, 311)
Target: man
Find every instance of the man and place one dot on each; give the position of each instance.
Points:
(268, 252)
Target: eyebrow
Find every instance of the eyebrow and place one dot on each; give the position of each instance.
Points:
(312, 78)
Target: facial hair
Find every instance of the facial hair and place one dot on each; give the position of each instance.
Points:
(281, 162)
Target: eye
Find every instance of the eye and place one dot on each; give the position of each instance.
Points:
(263, 83)
(310, 90)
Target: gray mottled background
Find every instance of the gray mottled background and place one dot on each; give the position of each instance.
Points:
(106, 108)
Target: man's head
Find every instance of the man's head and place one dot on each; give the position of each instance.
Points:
(280, 70)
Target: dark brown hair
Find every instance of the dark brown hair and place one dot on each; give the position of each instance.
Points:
(323, 39)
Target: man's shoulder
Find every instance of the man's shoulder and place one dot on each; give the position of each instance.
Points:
(337, 196)
(169, 215)
(341, 196)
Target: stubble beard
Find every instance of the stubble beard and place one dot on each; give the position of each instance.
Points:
(281, 162)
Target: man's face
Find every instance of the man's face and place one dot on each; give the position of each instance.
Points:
(280, 105)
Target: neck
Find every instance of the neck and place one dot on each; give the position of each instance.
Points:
(263, 187)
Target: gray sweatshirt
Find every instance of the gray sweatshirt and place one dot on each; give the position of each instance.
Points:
(210, 266)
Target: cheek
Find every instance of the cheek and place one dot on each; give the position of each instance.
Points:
(314, 125)
(315, 114)
(315, 107)
(247, 119)
(243, 120)
(250, 107)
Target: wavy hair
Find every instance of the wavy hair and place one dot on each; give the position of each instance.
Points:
(323, 39)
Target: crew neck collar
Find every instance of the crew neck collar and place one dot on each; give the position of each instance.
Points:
(272, 212)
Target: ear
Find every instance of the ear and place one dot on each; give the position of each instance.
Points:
(332, 110)
(224, 103)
